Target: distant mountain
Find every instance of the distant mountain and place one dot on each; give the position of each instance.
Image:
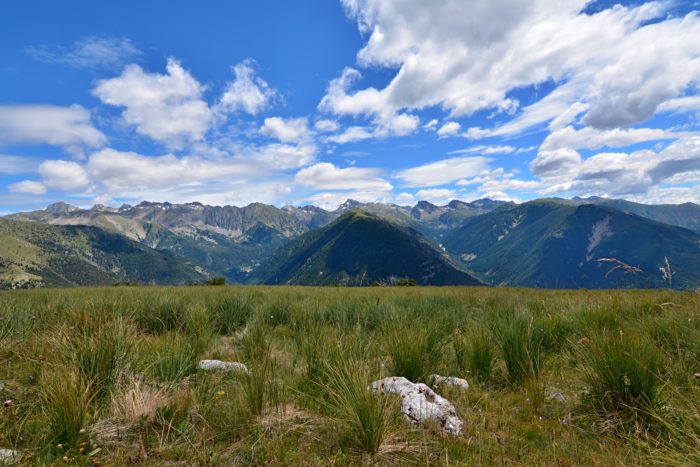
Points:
(233, 241)
(557, 244)
(682, 215)
(227, 241)
(360, 248)
(33, 254)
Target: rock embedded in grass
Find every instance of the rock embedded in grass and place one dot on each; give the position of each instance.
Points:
(9, 456)
(218, 365)
(420, 403)
(449, 381)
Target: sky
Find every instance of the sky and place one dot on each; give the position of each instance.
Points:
(319, 101)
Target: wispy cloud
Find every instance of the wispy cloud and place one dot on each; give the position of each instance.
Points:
(89, 52)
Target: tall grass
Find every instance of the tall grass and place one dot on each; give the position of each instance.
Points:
(168, 358)
(623, 374)
(231, 313)
(101, 355)
(521, 348)
(65, 398)
(415, 347)
(369, 418)
(259, 386)
(475, 354)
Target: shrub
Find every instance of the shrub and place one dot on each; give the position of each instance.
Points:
(216, 281)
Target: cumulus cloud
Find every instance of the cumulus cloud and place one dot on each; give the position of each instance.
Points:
(443, 171)
(247, 92)
(89, 52)
(286, 130)
(168, 108)
(325, 125)
(591, 138)
(64, 175)
(120, 171)
(69, 127)
(327, 176)
(29, 187)
(466, 60)
(437, 196)
(385, 120)
(285, 156)
(619, 173)
(449, 129)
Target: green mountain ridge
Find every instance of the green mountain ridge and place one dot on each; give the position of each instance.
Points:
(34, 254)
(360, 248)
(558, 244)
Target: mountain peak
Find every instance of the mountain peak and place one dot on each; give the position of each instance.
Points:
(426, 206)
(349, 204)
(61, 208)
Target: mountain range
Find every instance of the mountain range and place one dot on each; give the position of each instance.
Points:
(544, 243)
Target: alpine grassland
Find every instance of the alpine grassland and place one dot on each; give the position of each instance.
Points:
(110, 375)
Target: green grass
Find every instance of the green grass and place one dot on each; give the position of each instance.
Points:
(109, 374)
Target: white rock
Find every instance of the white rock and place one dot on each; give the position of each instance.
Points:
(9, 456)
(420, 403)
(218, 365)
(449, 381)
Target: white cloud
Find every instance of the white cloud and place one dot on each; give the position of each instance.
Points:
(405, 199)
(634, 174)
(285, 156)
(449, 129)
(351, 135)
(118, 172)
(431, 125)
(438, 196)
(560, 161)
(29, 187)
(327, 176)
(165, 107)
(64, 175)
(286, 130)
(14, 165)
(681, 104)
(247, 92)
(69, 127)
(470, 62)
(326, 126)
(590, 138)
(89, 52)
(443, 171)
(488, 150)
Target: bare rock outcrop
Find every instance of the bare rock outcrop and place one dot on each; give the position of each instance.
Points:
(218, 365)
(449, 381)
(420, 403)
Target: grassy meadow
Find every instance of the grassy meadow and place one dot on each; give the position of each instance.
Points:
(109, 375)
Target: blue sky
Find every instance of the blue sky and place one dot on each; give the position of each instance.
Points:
(313, 102)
